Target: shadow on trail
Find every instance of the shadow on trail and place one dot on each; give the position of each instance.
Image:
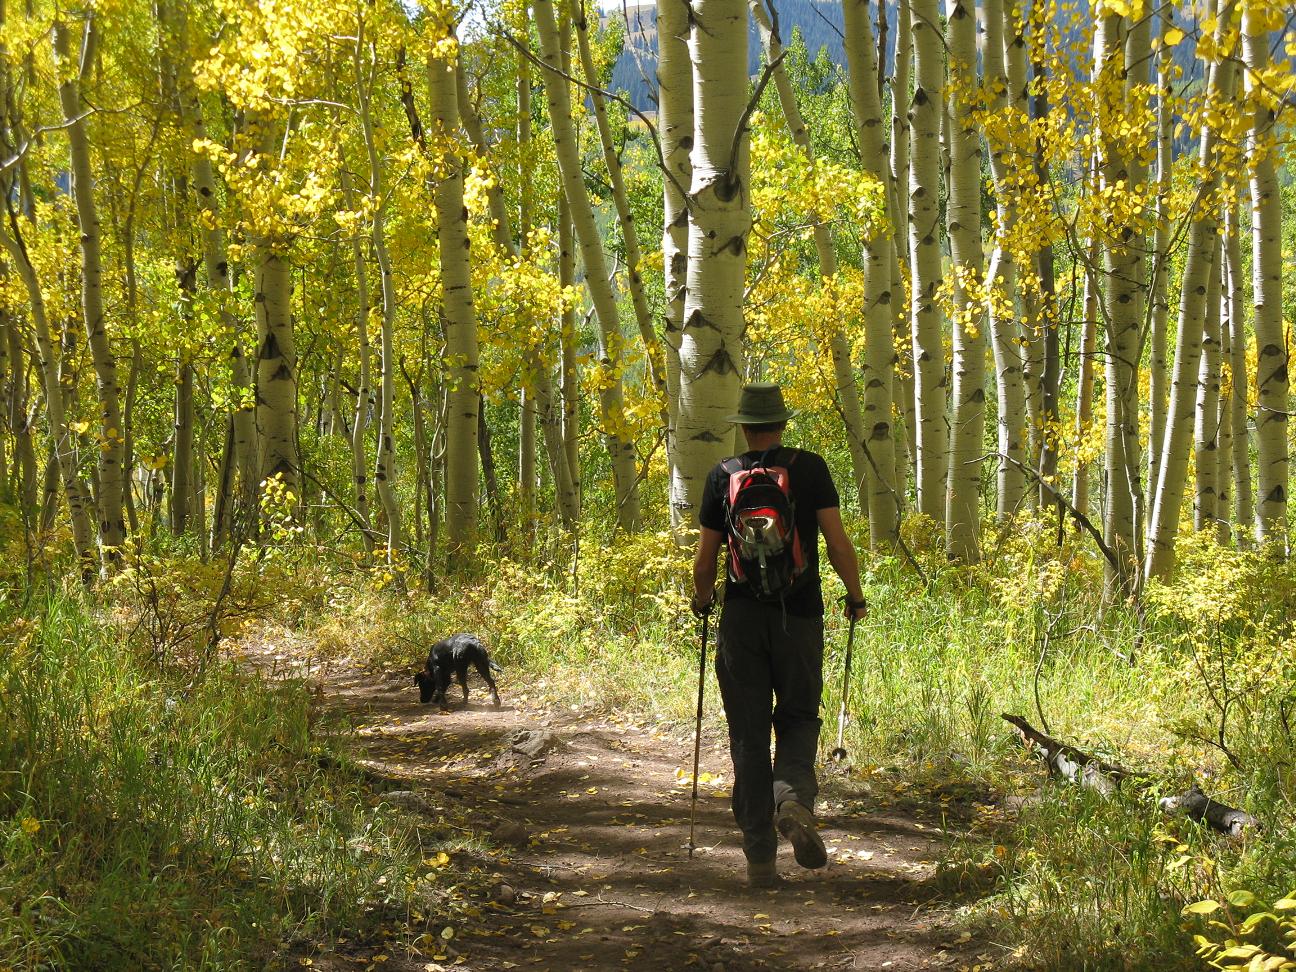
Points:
(593, 871)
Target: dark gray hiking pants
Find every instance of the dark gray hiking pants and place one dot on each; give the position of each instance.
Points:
(769, 677)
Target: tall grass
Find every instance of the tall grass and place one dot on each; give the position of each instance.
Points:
(153, 819)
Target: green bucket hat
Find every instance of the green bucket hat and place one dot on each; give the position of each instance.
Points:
(760, 404)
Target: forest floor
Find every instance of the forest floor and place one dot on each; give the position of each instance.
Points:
(587, 864)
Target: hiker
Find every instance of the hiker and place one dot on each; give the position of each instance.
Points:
(769, 650)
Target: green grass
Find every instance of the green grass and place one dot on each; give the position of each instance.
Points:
(152, 820)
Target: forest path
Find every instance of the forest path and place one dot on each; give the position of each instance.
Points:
(599, 877)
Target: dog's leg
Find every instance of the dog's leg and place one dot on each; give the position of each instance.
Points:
(484, 670)
(463, 681)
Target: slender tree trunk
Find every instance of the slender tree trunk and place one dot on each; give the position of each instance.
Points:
(364, 380)
(621, 202)
(1203, 237)
(1272, 352)
(1005, 334)
(925, 259)
(611, 396)
(459, 316)
(675, 122)
(1085, 382)
(1122, 314)
(1050, 349)
(112, 521)
(182, 447)
(967, 431)
(843, 368)
(540, 404)
(1230, 305)
(879, 315)
(902, 383)
(385, 456)
(527, 413)
(1239, 382)
(1158, 365)
(19, 419)
(567, 338)
(1206, 416)
(62, 442)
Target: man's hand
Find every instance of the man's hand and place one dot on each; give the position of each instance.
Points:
(855, 610)
(701, 607)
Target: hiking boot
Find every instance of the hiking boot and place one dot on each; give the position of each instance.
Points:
(797, 824)
(761, 874)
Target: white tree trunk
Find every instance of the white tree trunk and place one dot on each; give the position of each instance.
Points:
(1272, 352)
(111, 445)
(932, 440)
(385, 458)
(967, 431)
(1085, 382)
(711, 350)
(902, 384)
(611, 396)
(1005, 333)
(364, 379)
(1239, 385)
(1203, 239)
(675, 123)
(1206, 417)
(879, 321)
(458, 315)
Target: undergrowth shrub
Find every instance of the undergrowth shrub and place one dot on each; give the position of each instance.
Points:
(156, 817)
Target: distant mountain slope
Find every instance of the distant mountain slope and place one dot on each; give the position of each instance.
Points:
(818, 21)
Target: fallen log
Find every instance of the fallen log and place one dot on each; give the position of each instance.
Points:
(1077, 766)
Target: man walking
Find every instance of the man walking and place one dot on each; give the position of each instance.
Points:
(769, 655)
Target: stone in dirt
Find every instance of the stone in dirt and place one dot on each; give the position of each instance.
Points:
(534, 744)
(505, 894)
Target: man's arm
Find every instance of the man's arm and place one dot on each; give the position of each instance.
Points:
(841, 554)
(704, 567)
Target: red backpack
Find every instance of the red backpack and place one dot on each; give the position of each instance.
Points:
(764, 548)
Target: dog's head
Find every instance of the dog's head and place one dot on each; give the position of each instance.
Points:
(426, 684)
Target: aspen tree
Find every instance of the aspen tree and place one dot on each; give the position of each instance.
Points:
(611, 395)
(675, 123)
(843, 368)
(570, 389)
(1122, 314)
(541, 401)
(62, 441)
(967, 429)
(1085, 381)
(711, 350)
(1203, 235)
(1206, 413)
(925, 113)
(879, 321)
(1158, 368)
(620, 200)
(528, 413)
(1230, 307)
(385, 454)
(459, 314)
(364, 372)
(1001, 277)
(1272, 351)
(902, 384)
(1239, 384)
(111, 474)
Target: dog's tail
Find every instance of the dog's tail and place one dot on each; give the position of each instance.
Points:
(493, 667)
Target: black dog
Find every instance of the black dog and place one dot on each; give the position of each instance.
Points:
(456, 652)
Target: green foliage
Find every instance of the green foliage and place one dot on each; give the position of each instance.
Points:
(157, 820)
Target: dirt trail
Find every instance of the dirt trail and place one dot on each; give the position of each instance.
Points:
(598, 876)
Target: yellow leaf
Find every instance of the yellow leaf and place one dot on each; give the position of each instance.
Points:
(1201, 908)
(1173, 36)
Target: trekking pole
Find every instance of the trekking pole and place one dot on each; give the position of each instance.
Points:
(697, 732)
(839, 753)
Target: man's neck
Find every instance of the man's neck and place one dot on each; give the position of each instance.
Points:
(764, 442)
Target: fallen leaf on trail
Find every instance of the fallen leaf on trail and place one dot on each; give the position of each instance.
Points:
(539, 931)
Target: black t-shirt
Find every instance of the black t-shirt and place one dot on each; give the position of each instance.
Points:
(812, 490)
